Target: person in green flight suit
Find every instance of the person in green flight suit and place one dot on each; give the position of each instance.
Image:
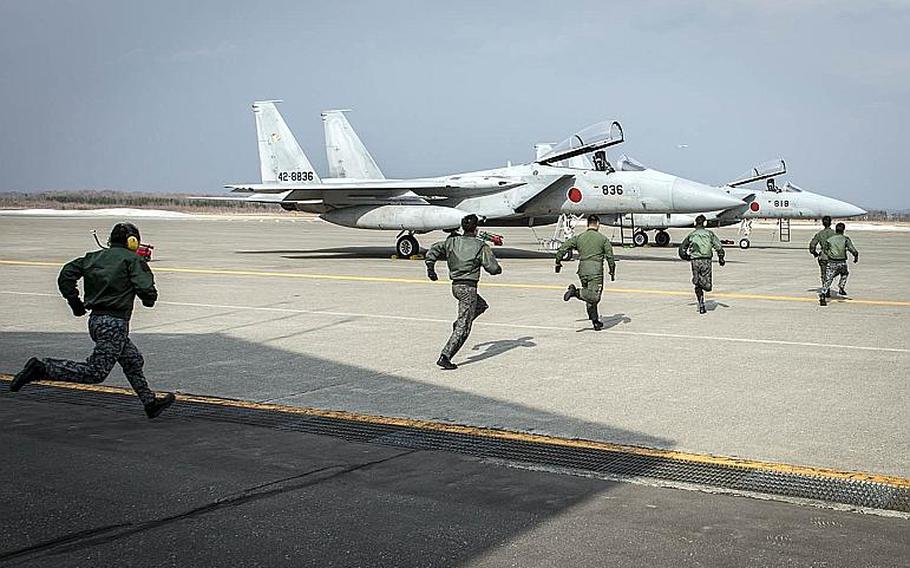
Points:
(836, 249)
(698, 248)
(112, 279)
(465, 254)
(817, 248)
(593, 249)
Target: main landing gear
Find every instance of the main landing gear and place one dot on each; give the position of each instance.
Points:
(661, 238)
(407, 246)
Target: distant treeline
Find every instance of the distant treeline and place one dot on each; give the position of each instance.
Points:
(179, 202)
(113, 199)
(882, 215)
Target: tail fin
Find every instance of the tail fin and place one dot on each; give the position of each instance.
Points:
(348, 157)
(281, 160)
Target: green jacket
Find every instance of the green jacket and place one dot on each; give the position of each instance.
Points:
(819, 240)
(836, 247)
(593, 248)
(465, 255)
(112, 279)
(699, 244)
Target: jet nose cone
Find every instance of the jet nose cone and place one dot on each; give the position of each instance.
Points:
(854, 211)
(693, 197)
(837, 208)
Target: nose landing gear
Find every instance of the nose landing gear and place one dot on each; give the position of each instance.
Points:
(640, 238)
(407, 246)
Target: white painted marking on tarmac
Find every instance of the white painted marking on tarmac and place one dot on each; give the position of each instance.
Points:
(513, 325)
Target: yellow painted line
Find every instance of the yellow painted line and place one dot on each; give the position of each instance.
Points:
(497, 434)
(811, 299)
(612, 332)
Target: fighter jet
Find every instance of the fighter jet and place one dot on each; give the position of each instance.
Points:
(358, 195)
(762, 198)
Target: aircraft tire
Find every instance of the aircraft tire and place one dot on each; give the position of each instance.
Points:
(744, 244)
(662, 238)
(407, 246)
(640, 238)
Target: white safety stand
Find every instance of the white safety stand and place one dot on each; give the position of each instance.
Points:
(745, 231)
(565, 230)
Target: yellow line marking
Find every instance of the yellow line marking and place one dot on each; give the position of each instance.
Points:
(486, 284)
(494, 433)
(612, 332)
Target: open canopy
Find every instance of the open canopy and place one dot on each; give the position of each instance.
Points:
(764, 171)
(593, 138)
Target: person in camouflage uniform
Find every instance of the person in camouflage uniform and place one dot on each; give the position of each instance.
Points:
(465, 254)
(836, 249)
(817, 248)
(698, 247)
(113, 278)
(593, 248)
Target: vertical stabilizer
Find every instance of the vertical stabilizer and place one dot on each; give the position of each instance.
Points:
(347, 156)
(281, 160)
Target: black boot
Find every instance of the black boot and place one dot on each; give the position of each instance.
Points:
(446, 364)
(157, 406)
(33, 371)
(598, 325)
(821, 300)
(571, 292)
(700, 296)
(841, 291)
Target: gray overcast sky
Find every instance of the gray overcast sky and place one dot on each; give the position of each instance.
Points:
(155, 96)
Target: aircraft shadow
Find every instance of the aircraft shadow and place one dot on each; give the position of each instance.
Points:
(365, 253)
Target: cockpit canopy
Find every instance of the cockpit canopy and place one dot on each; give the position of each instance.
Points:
(595, 137)
(628, 164)
(765, 171)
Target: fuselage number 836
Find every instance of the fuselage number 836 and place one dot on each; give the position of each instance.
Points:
(295, 176)
(612, 189)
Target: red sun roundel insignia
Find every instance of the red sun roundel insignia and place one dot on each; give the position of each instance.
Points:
(754, 206)
(575, 195)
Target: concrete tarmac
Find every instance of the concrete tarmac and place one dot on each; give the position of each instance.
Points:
(91, 485)
(293, 310)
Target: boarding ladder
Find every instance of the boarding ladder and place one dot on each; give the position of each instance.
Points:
(627, 229)
(785, 230)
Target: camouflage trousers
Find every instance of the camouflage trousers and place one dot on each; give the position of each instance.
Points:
(112, 345)
(834, 268)
(591, 290)
(701, 274)
(822, 269)
(470, 306)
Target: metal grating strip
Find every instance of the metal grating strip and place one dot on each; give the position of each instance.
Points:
(616, 464)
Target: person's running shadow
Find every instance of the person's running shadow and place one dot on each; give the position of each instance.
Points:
(494, 348)
(609, 322)
(712, 305)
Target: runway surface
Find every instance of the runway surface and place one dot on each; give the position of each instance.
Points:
(296, 311)
(93, 484)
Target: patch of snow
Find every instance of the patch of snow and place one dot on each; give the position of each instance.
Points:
(116, 212)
